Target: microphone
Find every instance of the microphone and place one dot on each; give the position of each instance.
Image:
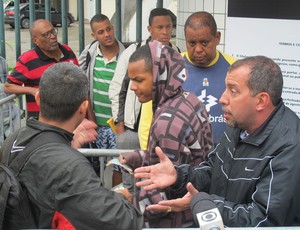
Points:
(206, 213)
(210, 220)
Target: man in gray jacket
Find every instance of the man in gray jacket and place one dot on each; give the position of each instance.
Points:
(63, 189)
(252, 176)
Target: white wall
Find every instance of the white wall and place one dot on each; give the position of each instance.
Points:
(147, 6)
(108, 8)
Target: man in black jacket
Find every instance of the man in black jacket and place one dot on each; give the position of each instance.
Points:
(63, 188)
(252, 176)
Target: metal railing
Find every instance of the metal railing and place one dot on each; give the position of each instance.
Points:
(7, 125)
(102, 154)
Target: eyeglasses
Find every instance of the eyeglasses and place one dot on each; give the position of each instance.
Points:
(54, 31)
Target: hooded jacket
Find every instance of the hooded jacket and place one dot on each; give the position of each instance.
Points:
(125, 105)
(180, 127)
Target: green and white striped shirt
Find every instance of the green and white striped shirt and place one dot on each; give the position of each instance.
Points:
(103, 74)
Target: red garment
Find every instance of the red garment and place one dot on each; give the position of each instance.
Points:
(31, 65)
(61, 222)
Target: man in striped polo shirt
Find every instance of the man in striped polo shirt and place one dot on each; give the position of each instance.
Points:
(25, 77)
(99, 60)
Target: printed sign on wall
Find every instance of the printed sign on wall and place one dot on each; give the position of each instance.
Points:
(270, 28)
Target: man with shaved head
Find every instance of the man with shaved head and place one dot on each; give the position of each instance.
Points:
(206, 66)
(25, 77)
(30, 66)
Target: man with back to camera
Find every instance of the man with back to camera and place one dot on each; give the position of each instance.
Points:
(206, 66)
(252, 176)
(25, 77)
(71, 197)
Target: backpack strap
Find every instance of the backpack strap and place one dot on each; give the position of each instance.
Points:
(4, 195)
(37, 142)
(7, 146)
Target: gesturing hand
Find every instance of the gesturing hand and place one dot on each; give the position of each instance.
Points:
(176, 205)
(84, 133)
(158, 176)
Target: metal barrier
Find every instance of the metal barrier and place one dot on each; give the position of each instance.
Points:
(6, 116)
(102, 153)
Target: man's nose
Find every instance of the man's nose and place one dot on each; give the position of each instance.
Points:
(165, 30)
(198, 48)
(223, 99)
(132, 86)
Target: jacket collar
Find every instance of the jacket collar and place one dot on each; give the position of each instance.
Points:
(95, 47)
(41, 127)
(262, 133)
(44, 57)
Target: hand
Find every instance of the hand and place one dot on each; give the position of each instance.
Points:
(84, 133)
(122, 159)
(158, 176)
(32, 91)
(125, 193)
(176, 205)
(120, 128)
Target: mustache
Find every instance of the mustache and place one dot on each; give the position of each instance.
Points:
(226, 110)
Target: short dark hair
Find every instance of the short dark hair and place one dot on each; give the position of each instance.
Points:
(158, 12)
(63, 88)
(143, 53)
(199, 19)
(98, 18)
(265, 76)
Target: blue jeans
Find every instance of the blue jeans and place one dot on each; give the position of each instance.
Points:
(106, 139)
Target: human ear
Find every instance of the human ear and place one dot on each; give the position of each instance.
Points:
(263, 101)
(34, 40)
(83, 107)
(218, 37)
(38, 98)
(93, 35)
